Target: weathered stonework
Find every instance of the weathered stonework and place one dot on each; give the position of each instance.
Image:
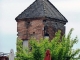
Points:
(53, 26)
(21, 29)
(27, 29)
(38, 28)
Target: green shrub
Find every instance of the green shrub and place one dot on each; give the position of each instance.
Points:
(60, 48)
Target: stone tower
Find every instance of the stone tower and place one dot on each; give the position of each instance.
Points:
(39, 20)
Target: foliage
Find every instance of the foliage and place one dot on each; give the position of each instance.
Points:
(60, 48)
(22, 54)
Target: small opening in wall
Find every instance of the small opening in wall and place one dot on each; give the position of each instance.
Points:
(33, 32)
(28, 23)
(46, 34)
(44, 20)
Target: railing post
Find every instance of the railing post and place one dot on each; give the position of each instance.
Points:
(11, 55)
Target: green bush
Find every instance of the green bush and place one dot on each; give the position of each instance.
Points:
(60, 48)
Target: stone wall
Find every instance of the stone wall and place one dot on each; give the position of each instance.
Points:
(31, 28)
(53, 26)
(38, 27)
(21, 29)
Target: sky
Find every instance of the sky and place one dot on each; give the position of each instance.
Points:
(10, 9)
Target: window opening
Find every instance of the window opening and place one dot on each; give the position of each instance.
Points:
(44, 20)
(46, 34)
(33, 32)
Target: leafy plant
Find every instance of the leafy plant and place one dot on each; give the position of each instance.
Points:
(60, 48)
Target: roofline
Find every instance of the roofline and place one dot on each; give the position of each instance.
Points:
(43, 19)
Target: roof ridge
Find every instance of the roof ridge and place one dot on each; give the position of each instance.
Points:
(44, 9)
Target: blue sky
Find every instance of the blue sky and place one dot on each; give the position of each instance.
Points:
(9, 9)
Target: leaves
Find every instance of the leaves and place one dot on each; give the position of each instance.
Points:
(60, 48)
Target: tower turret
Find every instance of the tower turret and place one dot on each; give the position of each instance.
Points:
(39, 20)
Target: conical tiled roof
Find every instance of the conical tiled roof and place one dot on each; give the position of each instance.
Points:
(41, 8)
